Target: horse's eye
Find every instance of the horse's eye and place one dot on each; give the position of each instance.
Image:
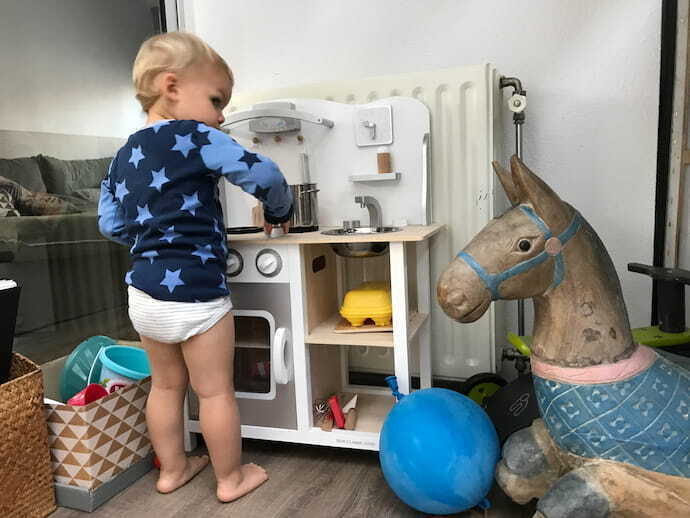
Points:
(524, 245)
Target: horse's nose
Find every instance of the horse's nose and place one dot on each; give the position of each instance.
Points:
(456, 298)
(451, 299)
(460, 294)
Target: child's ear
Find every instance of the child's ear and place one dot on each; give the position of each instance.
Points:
(169, 85)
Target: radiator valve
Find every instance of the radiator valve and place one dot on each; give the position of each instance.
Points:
(517, 103)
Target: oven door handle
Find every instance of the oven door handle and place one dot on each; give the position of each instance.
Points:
(281, 359)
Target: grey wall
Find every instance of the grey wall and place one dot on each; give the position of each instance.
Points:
(66, 65)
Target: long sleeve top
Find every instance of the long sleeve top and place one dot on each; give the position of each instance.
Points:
(160, 197)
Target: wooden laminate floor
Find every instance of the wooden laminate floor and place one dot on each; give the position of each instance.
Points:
(305, 482)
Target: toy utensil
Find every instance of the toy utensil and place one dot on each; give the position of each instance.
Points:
(350, 405)
(338, 415)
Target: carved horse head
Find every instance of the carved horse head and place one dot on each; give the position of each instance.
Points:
(542, 248)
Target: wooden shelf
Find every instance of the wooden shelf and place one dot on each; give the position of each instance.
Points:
(376, 177)
(325, 333)
(372, 411)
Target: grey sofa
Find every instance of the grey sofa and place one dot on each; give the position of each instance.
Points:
(71, 276)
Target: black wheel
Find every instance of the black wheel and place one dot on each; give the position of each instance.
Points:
(482, 386)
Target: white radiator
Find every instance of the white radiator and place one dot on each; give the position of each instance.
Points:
(465, 106)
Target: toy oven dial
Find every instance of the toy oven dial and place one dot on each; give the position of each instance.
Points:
(268, 262)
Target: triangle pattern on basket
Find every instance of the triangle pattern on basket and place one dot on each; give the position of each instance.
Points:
(91, 444)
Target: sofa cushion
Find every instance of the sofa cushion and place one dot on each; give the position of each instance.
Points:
(25, 171)
(68, 176)
(91, 195)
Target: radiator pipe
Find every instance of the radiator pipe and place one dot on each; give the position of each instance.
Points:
(667, 71)
(506, 82)
(518, 121)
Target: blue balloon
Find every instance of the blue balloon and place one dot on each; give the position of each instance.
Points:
(438, 451)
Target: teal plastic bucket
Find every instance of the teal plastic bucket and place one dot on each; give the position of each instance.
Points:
(122, 365)
(81, 365)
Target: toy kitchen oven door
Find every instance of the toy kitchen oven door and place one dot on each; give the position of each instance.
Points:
(263, 365)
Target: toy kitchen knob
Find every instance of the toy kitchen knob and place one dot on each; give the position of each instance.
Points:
(235, 263)
(268, 262)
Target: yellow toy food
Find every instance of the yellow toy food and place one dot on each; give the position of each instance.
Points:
(369, 300)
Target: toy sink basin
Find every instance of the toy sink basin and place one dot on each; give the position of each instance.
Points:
(370, 300)
(358, 231)
(360, 249)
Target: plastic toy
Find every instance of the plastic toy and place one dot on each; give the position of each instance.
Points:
(122, 365)
(370, 300)
(75, 373)
(336, 411)
(614, 438)
(91, 393)
(438, 451)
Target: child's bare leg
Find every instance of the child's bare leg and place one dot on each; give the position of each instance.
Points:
(209, 357)
(164, 415)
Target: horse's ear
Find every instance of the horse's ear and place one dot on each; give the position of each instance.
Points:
(507, 183)
(546, 203)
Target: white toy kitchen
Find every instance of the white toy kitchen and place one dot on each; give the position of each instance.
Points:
(365, 216)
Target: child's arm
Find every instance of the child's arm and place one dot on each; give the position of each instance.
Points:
(253, 173)
(111, 219)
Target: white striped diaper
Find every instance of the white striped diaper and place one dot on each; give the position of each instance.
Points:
(170, 321)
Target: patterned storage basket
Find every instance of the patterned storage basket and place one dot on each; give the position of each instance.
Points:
(26, 477)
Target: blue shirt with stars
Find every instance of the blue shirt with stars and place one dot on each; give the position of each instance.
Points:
(161, 198)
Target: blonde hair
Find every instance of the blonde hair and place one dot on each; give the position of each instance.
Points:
(170, 52)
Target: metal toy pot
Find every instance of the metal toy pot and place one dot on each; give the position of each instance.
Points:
(305, 217)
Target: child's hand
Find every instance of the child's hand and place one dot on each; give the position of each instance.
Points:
(268, 227)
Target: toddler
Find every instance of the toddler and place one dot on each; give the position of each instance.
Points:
(161, 199)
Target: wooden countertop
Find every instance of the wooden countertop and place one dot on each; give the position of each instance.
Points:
(408, 233)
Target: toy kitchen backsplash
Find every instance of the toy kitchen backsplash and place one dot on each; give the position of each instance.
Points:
(338, 147)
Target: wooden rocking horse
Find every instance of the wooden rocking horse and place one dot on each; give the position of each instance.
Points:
(614, 437)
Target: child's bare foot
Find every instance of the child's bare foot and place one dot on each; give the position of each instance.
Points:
(250, 477)
(169, 481)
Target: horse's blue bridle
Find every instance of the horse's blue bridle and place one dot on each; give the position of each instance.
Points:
(493, 281)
